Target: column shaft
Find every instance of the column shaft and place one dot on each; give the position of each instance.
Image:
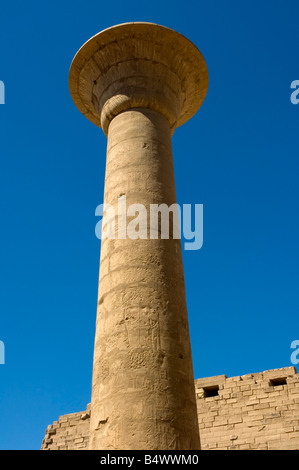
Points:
(143, 385)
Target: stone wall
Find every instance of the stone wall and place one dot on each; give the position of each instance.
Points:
(70, 432)
(255, 411)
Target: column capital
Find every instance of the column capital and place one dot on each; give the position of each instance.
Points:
(138, 65)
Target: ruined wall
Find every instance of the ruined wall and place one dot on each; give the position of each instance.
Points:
(255, 411)
(70, 432)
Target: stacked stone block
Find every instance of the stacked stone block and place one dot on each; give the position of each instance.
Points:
(70, 432)
(256, 411)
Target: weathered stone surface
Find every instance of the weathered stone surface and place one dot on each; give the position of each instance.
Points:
(143, 386)
(240, 425)
(139, 82)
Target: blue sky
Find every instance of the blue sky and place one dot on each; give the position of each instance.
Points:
(238, 156)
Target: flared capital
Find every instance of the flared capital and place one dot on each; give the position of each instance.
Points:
(138, 65)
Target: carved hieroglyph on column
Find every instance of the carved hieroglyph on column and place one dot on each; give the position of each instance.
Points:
(139, 82)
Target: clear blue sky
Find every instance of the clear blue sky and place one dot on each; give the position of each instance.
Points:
(238, 157)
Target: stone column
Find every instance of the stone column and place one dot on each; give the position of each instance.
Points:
(138, 82)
